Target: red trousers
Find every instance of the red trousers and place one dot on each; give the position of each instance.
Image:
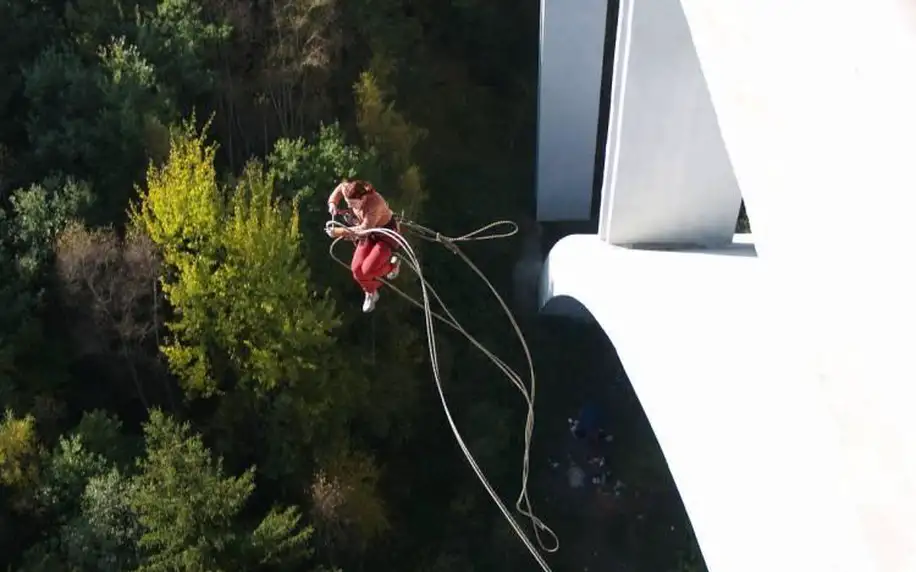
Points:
(371, 261)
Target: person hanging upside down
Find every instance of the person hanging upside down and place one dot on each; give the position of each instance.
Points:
(373, 258)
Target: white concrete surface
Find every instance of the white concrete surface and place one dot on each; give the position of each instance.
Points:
(667, 175)
(748, 435)
(569, 92)
(817, 104)
(781, 387)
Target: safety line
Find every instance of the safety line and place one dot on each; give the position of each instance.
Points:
(523, 504)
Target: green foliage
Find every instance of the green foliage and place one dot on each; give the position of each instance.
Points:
(82, 498)
(65, 474)
(19, 451)
(92, 449)
(63, 93)
(104, 533)
(190, 509)
(387, 132)
(90, 23)
(41, 211)
(241, 289)
(183, 206)
(280, 539)
(100, 433)
(182, 43)
(26, 251)
(88, 116)
(308, 170)
(25, 26)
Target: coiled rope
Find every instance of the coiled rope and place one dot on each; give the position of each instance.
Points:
(523, 503)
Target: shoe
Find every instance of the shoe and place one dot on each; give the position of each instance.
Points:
(396, 270)
(369, 302)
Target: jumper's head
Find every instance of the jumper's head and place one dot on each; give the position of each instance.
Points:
(355, 190)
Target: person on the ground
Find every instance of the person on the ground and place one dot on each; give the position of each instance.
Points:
(372, 259)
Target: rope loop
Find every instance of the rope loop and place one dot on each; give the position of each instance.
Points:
(408, 255)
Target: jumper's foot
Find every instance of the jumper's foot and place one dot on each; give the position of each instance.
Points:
(369, 302)
(395, 270)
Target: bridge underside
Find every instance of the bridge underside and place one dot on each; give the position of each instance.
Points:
(742, 437)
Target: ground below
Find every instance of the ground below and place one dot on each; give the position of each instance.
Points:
(633, 518)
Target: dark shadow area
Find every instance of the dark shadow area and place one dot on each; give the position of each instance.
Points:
(552, 232)
(604, 107)
(607, 492)
(742, 249)
(743, 225)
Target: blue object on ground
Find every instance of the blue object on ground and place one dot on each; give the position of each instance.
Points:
(589, 418)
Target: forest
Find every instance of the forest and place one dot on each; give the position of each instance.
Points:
(186, 380)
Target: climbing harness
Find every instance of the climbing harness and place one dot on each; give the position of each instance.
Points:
(408, 256)
(393, 224)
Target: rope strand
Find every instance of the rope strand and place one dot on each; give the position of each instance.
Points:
(523, 503)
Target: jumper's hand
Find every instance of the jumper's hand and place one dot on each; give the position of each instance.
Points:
(332, 209)
(340, 232)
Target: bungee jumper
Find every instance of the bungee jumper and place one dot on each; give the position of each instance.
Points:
(374, 255)
(381, 247)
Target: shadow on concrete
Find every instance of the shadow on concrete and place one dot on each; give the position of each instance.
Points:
(734, 249)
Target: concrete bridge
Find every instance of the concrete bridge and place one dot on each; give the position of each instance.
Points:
(777, 368)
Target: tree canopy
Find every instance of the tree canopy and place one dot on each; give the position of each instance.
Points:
(186, 382)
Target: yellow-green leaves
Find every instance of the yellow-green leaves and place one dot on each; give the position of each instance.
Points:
(19, 451)
(182, 207)
(240, 290)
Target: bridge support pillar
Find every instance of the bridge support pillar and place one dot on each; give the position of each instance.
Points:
(569, 91)
(667, 175)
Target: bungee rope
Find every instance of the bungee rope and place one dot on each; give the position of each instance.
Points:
(407, 254)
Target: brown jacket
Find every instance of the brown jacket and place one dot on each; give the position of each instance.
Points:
(371, 210)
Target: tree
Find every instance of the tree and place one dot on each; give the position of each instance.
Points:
(111, 294)
(19, 455)
(93, 116)
(307, 171)
(242, 295)
(40, 212)
(190, 510)
(104, 535)
(303, 46)
(345, 500)
(101, 433)
(65, 472)
(25, 27)
(80, 502)
(30, 364)
(177, 37)
(304, 169)
(18, 329)
(387, 132)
